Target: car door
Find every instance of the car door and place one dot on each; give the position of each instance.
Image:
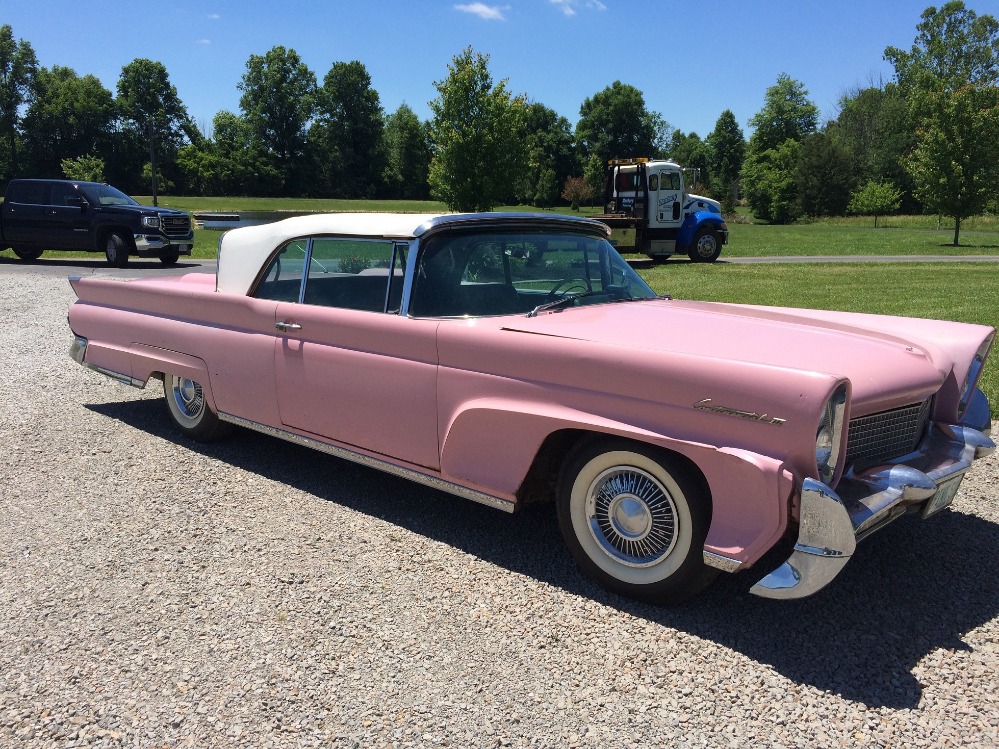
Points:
(23, 213)
(668, 197)
(348, 366)
(65, 218)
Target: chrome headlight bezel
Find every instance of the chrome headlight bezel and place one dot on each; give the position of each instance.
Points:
(829, 435)
(974, 371)
(151, 222)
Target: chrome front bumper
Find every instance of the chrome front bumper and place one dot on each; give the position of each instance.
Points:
(153, 244)
(831, 522)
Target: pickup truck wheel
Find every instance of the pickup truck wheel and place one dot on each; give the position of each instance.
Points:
(116, 250)
(707, 246)
(186, 402)
(634, 520)
(26, 254)
(170, 257)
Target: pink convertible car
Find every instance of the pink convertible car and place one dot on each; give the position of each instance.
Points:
(514, 358)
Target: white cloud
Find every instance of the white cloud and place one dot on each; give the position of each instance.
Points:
(483, 11)
(203, 42)
(568, 7)
(214, 16)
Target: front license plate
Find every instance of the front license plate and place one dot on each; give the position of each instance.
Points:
(944, 496)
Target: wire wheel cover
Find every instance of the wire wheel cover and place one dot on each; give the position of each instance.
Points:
(631, 516)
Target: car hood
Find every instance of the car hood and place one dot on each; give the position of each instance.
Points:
(890, 361)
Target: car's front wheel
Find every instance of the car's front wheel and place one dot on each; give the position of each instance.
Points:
(170, 257)
(707, 246)
(190, 411)
(635, 520)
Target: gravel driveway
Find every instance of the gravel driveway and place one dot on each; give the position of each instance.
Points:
(155, 592)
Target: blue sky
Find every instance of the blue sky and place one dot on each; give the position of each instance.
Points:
(691, 61)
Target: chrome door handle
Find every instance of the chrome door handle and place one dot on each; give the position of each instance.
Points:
(284, 327)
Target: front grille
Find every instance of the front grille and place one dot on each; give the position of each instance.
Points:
(176, 226)
(887, 435)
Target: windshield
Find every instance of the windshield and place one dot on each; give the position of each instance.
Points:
(106, 195)
(506, 273)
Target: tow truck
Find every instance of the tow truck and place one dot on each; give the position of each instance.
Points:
(649, 211)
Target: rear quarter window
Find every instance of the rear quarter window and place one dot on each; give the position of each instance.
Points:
(30, 193)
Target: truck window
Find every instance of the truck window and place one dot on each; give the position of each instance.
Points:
(28, 193)
(61, 193)
(654, 182)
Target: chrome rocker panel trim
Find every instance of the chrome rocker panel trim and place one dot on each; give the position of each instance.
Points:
(376, 463)
(831, 524)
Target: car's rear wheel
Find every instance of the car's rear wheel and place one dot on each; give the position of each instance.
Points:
(190, 411)
(116, 250)
(635, 520)
(27, 254)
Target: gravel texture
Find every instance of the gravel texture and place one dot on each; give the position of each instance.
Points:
(159, 593)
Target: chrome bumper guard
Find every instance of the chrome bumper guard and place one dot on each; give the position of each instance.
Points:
(831, 523)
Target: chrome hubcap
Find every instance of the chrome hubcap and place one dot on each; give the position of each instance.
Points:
(706, 246)
(631, 516)
(189, 397)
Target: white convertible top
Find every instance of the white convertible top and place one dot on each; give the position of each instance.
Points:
(243, 251)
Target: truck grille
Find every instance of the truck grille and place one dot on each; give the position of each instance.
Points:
(887, 435)
(176, 226)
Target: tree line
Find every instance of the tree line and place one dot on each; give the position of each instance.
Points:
(927, 140)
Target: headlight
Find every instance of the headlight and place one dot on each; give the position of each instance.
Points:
(829, 435)
(152, 222)
(972, 379)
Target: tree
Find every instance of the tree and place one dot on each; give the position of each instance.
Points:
(955, 161)
(577, 191)
(768, 173)
(875, 125)
(949, 79)
(278, 100)
(787, 114)
(615, 123)
(153, 117)
(727, 149)
(84, 168)
(875, 199)
(233, 162)
(693, 153)
(768, 182)
(475, 131)
(70, 117)
(550, 147)
(407, 153)
(824, 176)
(18, 66)
(348, 133)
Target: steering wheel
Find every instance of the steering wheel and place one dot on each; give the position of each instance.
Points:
(567, 286)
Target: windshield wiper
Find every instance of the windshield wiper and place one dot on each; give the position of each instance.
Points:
(557, 303)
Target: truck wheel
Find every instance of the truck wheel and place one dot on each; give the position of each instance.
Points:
(27, 255)
(189, 411)
(634, 520)
(707, 246)
(170, 257)
(116, 250)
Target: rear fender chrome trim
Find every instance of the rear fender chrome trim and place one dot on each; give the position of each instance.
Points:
(380, 465)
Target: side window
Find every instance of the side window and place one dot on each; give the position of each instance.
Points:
(61, 193)
(28, 193)
(283, 280)
(653, 182)
(349, 273)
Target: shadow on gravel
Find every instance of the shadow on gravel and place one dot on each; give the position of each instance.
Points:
(912, 589)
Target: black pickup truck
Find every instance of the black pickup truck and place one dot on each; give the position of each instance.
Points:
(56, 214)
